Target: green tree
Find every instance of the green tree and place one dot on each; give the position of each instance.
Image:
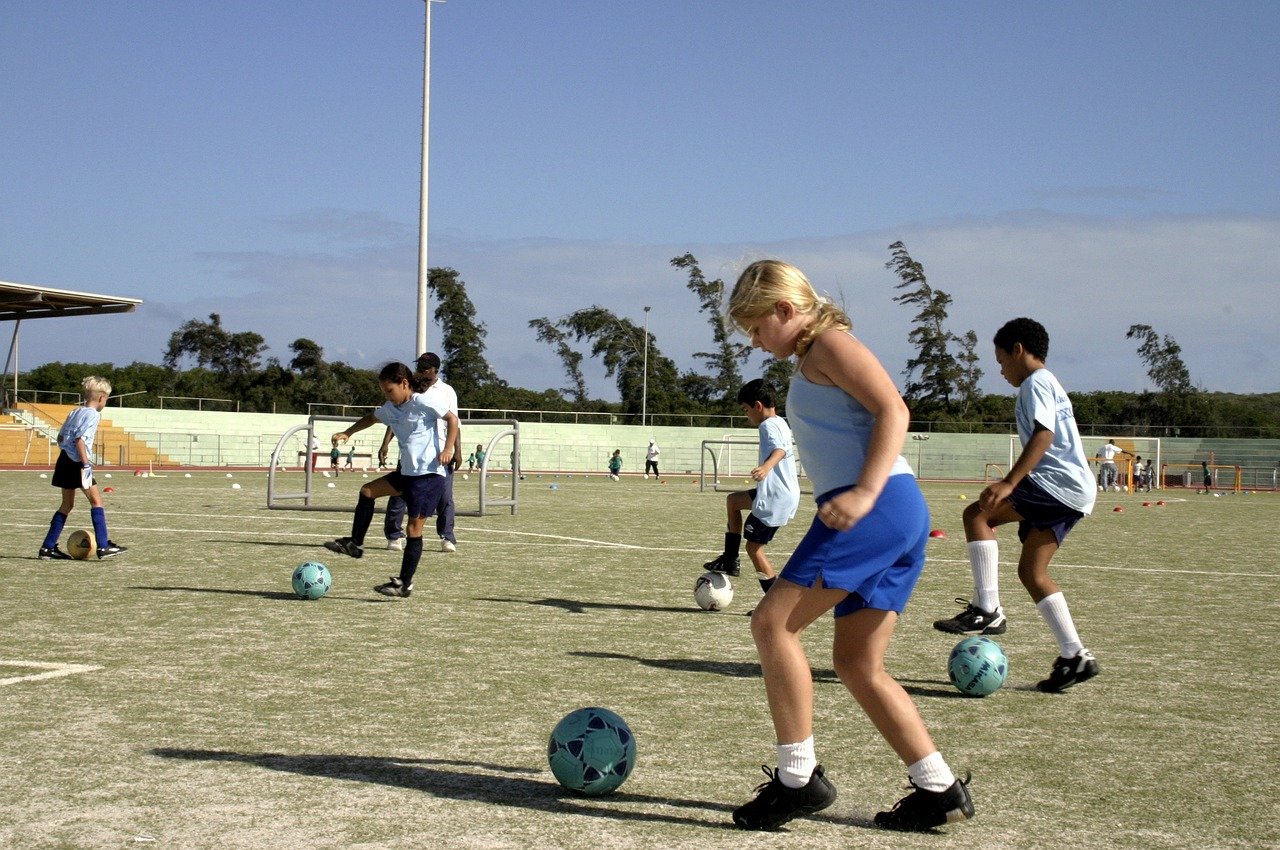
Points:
(462, 345)
(724, 360)
(620, 345)
(940, 373)
(549, 333)
(1163, 359)
(211, 346)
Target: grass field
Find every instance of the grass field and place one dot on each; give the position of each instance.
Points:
(210, 708)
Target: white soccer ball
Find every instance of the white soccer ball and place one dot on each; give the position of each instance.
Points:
(614, 477)
(646, 476)
(466, 477)
(235, 486)
(229, 475)
(332, 485)
(713, 591)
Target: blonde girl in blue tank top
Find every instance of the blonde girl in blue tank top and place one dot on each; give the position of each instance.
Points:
(861, 557)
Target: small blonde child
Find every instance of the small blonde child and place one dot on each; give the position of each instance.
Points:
(861, 556)
(74, 471)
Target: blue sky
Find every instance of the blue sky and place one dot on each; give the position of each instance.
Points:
(1094, 165)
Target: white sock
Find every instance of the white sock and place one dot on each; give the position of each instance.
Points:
(1056, 614)
(931, 773)
(984, 557)
(796, 763)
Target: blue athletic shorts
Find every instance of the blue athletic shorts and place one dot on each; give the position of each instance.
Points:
(878, 561)
(422, 494)
(1040, 510)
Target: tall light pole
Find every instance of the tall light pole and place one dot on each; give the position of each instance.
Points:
(423, 273)
(644, 383)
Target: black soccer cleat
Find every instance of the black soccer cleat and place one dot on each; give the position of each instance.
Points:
(53, 554)
(921, 810)
(775, 803)
(395, 588)
(973, 620)
(345, 546)
(110, 550)
(1068, 671)
(723, 564)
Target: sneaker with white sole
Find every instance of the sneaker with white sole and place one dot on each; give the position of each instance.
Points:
(110, 550)
(921, 810)
(396, 544)
(775, 803)
(345, 546)
(447, 545)
(973, 620)
(1068, 671)
(53, 553)
(396, 588)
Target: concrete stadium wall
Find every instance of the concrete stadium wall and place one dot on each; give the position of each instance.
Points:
(212, 438)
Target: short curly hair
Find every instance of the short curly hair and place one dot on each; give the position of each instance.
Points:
(1029, 332)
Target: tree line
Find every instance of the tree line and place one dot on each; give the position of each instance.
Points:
(205, 360)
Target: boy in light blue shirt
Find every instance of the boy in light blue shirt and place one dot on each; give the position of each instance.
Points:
(774, 500)
(74, 471)
(1049, 489)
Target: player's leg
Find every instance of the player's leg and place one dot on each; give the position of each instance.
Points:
(393, 523)
(799, 786)
(764, 569)
(861, 639)
(727, 561)
(1074, 663)
(982, 614)
(49, 550)
(422, 495)
(387, 485)
(446, 515)
(98, 515)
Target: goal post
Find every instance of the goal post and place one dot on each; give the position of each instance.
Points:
(279, 499)
(1191, 475)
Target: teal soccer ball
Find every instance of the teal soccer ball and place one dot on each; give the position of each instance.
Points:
(591, 751)
(311, 580)
(978, 666)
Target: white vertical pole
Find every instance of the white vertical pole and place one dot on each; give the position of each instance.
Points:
(421, 345)
(644, 384)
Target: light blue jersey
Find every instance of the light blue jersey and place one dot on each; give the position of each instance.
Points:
(778, 495)
(833, 431)
(415, 425)
(81, 424)
(1064, 471)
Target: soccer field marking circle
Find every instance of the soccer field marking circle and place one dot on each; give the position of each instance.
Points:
(51, 670)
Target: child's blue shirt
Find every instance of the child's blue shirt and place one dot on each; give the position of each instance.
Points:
(81, 424)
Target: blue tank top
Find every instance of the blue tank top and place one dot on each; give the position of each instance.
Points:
(832, 430)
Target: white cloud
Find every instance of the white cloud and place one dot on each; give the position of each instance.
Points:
(1210, 282)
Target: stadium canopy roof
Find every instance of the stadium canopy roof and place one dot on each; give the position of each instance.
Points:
(21, 301)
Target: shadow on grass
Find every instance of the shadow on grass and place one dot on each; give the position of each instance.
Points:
(427, 776)
(945, 690)
(733, 669)
(574, 606)
(262, 594)
(297, 545)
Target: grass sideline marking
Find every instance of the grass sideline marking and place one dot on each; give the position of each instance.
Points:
(52, 670)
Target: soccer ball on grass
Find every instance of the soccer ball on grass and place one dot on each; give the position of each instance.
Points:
(591, 751)
(977, 666)
(713, 591)
(311, 580)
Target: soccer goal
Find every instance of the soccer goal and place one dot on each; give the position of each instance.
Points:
(305, 499)
(1191, 475)
(721, 455)
(1130, 469)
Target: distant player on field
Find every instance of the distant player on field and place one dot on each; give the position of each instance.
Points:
(1048, 490)
(773, 501)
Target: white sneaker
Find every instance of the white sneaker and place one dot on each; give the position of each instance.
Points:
(446, 545)
(396, 545)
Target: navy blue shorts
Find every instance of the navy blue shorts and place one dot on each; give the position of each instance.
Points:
(66, 472)
(878, 561)
(757, 530)
(1039, 510)
(423, 494)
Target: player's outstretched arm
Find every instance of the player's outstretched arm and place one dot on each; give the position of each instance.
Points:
(364, 422)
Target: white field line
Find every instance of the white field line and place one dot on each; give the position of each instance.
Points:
(564, 541)
(52, 670)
